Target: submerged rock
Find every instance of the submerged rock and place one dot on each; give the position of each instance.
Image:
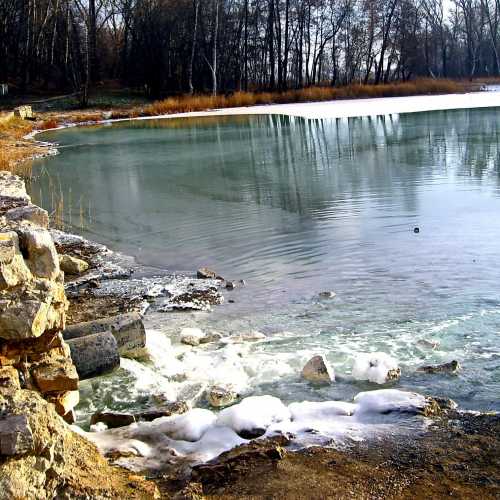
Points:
(327, 295)
(451, 367)
(428, 343)
(219, 396)
(72, 265)
(318, 370)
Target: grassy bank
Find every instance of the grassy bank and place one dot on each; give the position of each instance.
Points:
(185, 104)
(14, 150)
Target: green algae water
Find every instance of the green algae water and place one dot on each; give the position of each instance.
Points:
(296, 207)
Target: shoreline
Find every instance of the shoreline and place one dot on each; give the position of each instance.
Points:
(264, 458)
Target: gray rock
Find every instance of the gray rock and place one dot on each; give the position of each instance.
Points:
(317, 370)
(95, 354)
(327, 295)
(16, 437)
(121, 419)
(128, 330)
(428, 343)
(30, 213)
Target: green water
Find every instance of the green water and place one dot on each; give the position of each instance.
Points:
(296, 207)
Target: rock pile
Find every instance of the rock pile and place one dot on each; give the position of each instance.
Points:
(32, 301)
(40, 456)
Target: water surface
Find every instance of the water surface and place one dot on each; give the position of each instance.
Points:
(296, 207)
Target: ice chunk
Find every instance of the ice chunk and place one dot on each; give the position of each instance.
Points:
(376, 367)
(254, 415)
(389, 400)
(187, 427)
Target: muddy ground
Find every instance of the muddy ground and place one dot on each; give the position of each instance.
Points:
(459, 458)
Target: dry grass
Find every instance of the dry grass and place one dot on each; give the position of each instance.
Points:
(13, 150)
(48, 124)
(186, 104)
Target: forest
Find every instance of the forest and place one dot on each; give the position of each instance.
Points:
(168, 47)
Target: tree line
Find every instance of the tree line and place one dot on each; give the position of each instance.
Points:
(172, 46)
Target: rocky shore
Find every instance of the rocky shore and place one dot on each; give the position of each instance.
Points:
(42, 457)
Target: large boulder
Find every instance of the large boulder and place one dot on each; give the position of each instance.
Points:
(40, 252)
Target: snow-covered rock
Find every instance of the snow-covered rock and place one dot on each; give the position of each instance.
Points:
(389, 400)
(254, 415)
(377, 367)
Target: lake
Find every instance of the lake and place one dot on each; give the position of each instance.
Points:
(296, 207)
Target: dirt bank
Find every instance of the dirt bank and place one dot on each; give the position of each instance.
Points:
(458, 457)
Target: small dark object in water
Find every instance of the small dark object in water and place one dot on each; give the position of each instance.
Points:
(416, 230)
(231, 301)
(451, 367)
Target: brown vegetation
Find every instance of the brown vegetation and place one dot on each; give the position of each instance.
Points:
(185, 104)
(13, 149)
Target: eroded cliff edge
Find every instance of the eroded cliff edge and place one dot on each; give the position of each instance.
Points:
(40, 456)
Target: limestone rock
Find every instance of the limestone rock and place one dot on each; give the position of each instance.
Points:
(192, 336)
(211, 337)
(30, 213)
(9, 378)
(28, 313)
(56, 377)
(219, 396)
(41, 252)
(13, 269)
(16, 437)
(72, 265)
(12, 186)
(65, 401)
(317, 370)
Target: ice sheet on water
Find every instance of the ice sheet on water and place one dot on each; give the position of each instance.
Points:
(200, 435)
